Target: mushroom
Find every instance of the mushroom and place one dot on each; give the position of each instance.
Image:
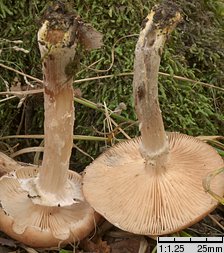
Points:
(44, 207)
(152, 185)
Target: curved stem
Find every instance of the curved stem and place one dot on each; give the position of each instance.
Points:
(146, 68)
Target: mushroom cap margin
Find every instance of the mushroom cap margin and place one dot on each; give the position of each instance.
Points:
(41, 236)
(118, 186)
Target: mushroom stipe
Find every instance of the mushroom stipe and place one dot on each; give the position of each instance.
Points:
(45, 207)
(153, 185)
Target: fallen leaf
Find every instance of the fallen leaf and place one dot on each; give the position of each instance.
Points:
(90, 38)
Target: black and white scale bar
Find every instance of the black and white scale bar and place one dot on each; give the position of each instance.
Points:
(184, 240)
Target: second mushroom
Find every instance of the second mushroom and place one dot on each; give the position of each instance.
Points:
(152, 185)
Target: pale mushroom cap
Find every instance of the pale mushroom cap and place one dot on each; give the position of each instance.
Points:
(42, 226)
(141, 201)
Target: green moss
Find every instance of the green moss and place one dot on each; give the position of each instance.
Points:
(194, 50)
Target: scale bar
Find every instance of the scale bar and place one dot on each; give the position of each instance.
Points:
(190, 240)
(190, 244)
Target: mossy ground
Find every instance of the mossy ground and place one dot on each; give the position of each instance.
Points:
(194, 50)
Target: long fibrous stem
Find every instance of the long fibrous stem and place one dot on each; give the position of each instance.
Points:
(59, 107)
(58, 37)
(148, 51)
